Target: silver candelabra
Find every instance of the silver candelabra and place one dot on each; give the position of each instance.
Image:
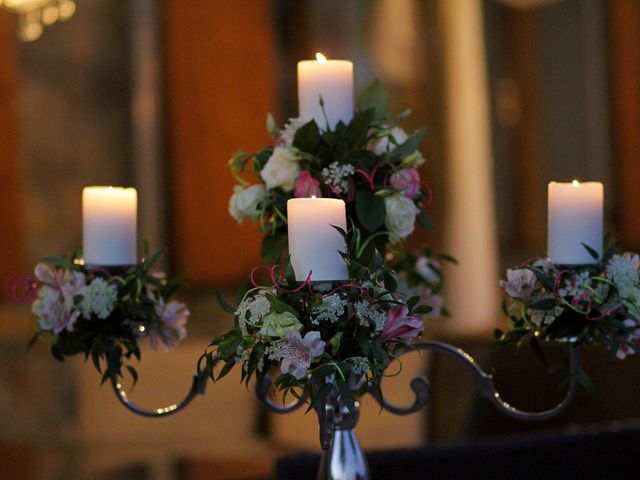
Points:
(342, 457)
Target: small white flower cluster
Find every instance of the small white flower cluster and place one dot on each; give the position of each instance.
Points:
(360, 365)
(623, 271)
(338, 175)
(253, 309)
(369, 316)
(575, 287)
(330, 310)
(544, 317)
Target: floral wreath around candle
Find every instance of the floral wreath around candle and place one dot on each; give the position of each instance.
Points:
(370, 163)
(595, 304)
(314, 331)
(103, 311)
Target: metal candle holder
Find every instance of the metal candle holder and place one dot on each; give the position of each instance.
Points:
(342, 457)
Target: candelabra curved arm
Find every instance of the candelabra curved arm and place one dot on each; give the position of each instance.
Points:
(262, 390)
(198, 387)
(421, 387)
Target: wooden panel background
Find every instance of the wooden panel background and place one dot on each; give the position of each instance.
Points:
(11, 244)
(221, 67)
(624, 28)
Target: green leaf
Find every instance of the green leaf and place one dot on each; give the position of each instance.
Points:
(412, 302)
(422, 309)
(375, 97)
(544, 304)
(591, 251)
(358, 128)
(224, 304)
(370, 209)
(409, 146)
(272, 128)
(272, 247)
(335, 342)
(133, 373)
(611, 249)
(61, 262)
(228, 366)
(307, 137)
(424, 219)
(279, 306)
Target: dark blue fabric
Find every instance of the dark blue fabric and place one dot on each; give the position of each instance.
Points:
(585, 456)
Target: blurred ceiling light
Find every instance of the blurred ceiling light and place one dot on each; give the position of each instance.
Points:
(35, 14)
(527, 4)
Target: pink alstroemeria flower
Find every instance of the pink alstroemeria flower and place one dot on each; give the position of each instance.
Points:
(520, 283)
(297, 352)
(400, 325)
(407, 180)
(307, 186)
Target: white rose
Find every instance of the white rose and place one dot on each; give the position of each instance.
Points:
(281, 170)
(399, 136)
(401, 215)
(244, 201)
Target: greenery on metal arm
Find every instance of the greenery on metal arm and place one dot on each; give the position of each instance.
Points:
(594, 304)
(101, 312)
(319, 335)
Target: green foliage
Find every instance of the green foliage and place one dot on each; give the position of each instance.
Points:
(580, 304)
(353, 344)
(350, 146)
(111, 343)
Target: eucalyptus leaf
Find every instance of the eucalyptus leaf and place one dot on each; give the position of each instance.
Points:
(370, 209)
(409, 146)
(307, 137)
(375, 97)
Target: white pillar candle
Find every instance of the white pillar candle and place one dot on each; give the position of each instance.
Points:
(109, 225)
(575, 217)
(331, 79)
(314, 245)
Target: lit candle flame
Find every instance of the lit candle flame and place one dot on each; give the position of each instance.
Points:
(321, 58)
(575, 183)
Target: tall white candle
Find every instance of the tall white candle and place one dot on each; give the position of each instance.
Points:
(109, 225)
(575, 217)
(314, 245)
(331, 79)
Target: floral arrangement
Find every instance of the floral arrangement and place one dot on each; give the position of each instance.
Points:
(371, 164)
(348, 332)
(102, 312)
(586, 304)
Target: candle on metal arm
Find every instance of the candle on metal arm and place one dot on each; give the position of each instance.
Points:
(314, 245)
(109, 225)
(333, 81)
(575, 218)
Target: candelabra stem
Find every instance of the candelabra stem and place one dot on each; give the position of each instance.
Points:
(344, 460)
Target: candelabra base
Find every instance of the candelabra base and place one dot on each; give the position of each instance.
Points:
(344, 460)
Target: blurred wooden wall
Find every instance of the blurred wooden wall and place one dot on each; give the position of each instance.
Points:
(221, 67)
(624, 28)
(11, 241)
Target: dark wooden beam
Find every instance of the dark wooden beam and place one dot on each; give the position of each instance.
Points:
(624, 33)
(11, 240)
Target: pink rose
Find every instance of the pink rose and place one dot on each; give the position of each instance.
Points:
(307, 186)
(407, 180)
(399, 325)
